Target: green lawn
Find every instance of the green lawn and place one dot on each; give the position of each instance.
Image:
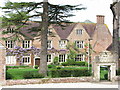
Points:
(18, 73)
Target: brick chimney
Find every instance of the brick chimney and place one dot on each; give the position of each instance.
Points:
(100, 19)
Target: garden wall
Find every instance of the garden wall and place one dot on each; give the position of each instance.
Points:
(49, 80)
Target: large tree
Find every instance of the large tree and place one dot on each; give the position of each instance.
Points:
(18, 13)
(116, 14)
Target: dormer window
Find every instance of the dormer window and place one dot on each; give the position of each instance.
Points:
(79, 31)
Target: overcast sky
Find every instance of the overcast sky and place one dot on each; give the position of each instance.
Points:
(94, 7)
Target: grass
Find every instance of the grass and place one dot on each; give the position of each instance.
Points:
(18, 73)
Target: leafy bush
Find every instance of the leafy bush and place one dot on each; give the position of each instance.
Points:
(36, 66)
(58, 67)
(86, 64)
(51, 66)
(56, 61)
(32, 74)
(64, 64)
(8, 76)
(80, 63)
(73, 63)
(69, 72)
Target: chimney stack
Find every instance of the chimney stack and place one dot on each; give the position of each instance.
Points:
(100, 19)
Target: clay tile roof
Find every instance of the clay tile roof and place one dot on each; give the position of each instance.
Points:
(89, 27)
(25, 30)
(65, 31)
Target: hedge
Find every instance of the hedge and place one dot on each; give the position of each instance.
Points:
(69, 73)
(76, 63)
(32, 74)
(17, 66)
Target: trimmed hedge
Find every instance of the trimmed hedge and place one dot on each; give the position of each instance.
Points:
(51, 66)
(32, 74)
(76, 63)
(17, 66)
(69, 73)
(8, 76)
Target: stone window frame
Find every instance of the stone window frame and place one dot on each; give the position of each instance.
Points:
(79, 44)
(28, 60)
(10, 59)
(26, 43)
(10, 43)
(62, 57)
(62, 43)
(80, 57)
(49, 44)
(49, 58)
(79, 31)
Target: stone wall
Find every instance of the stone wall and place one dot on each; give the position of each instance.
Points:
(2, 65)
(49, 80)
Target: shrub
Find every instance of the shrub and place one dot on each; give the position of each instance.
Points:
(32, 74)
(64, 64)
(16, 67)
(86, 64)
(56, 61)
(8, 76)
(80, 63)
(58, 67)
(23, 66)
(36, 66)
(73, 63)
(12, 67)
(51, 66)
(69, 72)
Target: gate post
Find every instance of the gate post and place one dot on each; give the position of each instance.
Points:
(2, 65)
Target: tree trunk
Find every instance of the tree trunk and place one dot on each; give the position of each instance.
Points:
(115, 45)
(44, 30)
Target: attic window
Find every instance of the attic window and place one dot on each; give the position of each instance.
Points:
(79, 31)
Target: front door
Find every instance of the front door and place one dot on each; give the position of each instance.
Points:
(37, 61)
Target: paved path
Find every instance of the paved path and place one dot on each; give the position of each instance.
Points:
(67, 85)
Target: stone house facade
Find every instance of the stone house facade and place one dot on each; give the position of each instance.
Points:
(97, 34)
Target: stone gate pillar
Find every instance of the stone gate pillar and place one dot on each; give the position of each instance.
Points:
(2, 65)
(105, 58)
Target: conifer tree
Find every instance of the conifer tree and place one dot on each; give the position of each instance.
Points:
(18, 13)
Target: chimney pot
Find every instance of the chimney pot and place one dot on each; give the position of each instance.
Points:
(100, 19)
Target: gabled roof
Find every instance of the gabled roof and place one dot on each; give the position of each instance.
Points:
(89, 27)
(65, 31)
